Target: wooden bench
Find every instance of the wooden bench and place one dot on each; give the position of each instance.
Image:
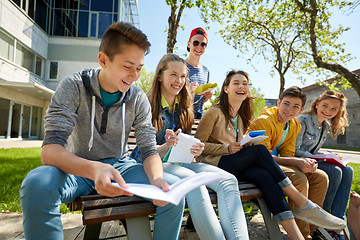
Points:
(134, 211)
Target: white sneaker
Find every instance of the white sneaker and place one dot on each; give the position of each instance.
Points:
(319, 217)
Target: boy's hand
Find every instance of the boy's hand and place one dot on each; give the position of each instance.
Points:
(307, 165)
(162, 184)
(197, 149)
(193, 86)
(104, 174)
(234, 147)
(207, 96)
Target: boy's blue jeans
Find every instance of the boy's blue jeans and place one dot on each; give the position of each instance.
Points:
(232, 219)
(338, 192)
(46, 187)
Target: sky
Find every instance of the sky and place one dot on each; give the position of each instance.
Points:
(220, 57)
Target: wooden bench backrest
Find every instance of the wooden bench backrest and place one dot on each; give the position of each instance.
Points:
(132, 140)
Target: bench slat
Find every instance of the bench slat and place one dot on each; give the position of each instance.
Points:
(117, 213)
(111, 202)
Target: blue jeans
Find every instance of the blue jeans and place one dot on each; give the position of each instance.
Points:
(46, 187)
(232, 219)
(338, 192)
(256, 165)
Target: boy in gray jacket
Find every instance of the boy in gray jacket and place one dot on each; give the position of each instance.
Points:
(85, 145)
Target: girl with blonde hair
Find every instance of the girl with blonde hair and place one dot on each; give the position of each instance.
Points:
(327, 115)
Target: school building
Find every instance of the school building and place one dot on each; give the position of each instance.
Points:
(351, 138)
(41, 42)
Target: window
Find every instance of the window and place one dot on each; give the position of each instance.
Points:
(6, 46)
(84, 4)
(53, 70)
(4, 109)
(83, 24)
(39, 67)
(103, 6)
(24, 57)
(341, 138)
(42, 14)
(105, 20)
(36, 121)
(25, 121)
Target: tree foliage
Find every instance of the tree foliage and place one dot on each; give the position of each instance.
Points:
(176, 11)
(314, 11)
(145, 80)
(259, 101)
(275, 31)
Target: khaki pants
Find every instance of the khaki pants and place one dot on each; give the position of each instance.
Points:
(311, 185)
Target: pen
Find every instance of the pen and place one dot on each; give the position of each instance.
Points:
(237, 135)
(173, 128)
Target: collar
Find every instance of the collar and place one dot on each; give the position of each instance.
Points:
(325, 124)
(165, 104)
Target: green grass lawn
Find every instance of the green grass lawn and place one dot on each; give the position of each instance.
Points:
(15, 163)
(356, 180)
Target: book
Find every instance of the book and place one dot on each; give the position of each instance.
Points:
(253, 137)
(201, 89)
(177, 190)
(331, 158)
(180, 153)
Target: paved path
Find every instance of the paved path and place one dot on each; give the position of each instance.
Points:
(354, 156)
(11, 228)
(11, 223)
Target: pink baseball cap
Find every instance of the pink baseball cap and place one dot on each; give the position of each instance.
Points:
(200, 31)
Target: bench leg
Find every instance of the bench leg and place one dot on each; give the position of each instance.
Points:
(271, 224)
(92, 231)
(325, 233)
(138, 228)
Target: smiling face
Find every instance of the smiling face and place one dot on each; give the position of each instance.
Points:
(173, 79)
(327, 109)
(238, 89)
(124, 69)
(289, 107)
(199, 49)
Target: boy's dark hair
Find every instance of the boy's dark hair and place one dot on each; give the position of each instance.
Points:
(119, 34)
(296, 92)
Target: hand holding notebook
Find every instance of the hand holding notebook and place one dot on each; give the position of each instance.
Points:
(253, 137)
(177, 190)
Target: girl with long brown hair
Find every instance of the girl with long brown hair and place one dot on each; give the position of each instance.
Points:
(172, 112)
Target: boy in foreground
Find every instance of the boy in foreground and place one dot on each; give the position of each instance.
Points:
(85, 144)
(282, 128)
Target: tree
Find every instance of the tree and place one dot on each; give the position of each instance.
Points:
(273, 30)
(313, 11)
(177, 8)
(259, 101)
(144, 80)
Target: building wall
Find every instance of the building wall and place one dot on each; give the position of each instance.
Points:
(26, 79)
(23, 28)
(72, 55)
(352, 135)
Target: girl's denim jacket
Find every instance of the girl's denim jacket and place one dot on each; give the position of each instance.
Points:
(310, 134)
(170, 121)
